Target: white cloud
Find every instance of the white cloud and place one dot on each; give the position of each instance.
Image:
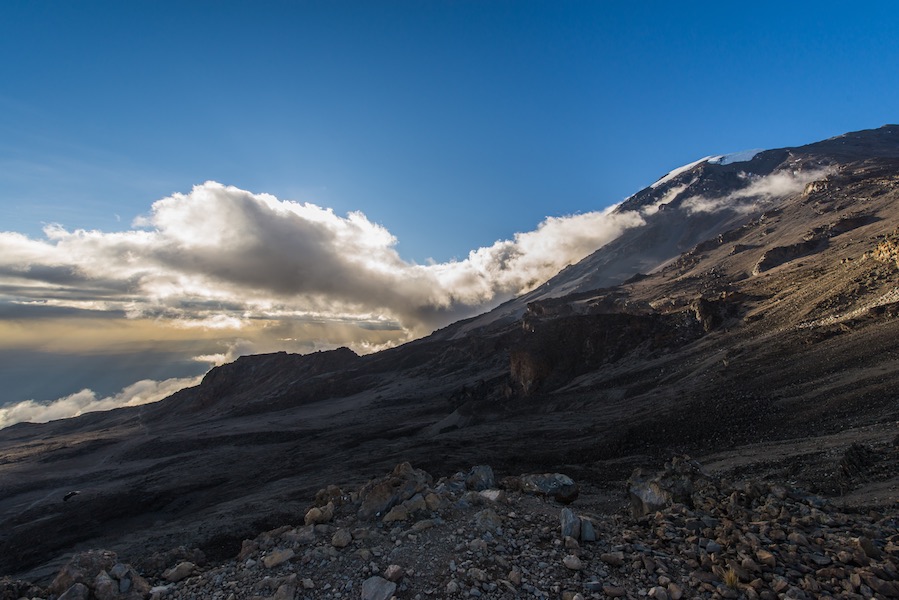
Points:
(220, 255)
(85, 401)
(760, 189)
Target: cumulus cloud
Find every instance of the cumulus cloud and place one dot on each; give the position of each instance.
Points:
(85, 401)
(219, 256)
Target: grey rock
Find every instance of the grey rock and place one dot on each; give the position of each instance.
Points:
(588, 531)
(571, 524)
(380, 495)
(377, 588)
(556, 485)
(480, 478)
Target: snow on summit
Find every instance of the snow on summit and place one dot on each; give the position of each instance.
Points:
(734, 157)
(721, 159)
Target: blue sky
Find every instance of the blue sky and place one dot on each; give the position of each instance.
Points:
(453, 124)
(465, 134)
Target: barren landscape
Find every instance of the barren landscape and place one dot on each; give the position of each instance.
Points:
(762, 340)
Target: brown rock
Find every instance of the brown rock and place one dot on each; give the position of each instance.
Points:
(277, 557)
(83, 568)
(182, 570)
(394, 573)
(341, 538)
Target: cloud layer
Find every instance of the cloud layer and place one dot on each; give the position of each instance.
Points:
(219, 256)
(85, 401)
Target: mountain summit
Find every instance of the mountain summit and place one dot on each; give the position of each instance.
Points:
(753, 313)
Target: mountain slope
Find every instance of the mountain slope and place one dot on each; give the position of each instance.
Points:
(770, 316)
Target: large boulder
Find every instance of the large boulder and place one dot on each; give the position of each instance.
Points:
(676, 483)
(99, 574)
(83, 568)
(560, 487)
(380, 495)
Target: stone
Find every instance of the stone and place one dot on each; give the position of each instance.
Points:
(488, 520)
(765, 557)
(341, 538)
(571, 525)
(493, 495)
(277, 557)
(394, 573)
(319, 515)
(332, 493)
(573, 562)
(182, 570)
(380, 495)
(78, 591)
(713, 547)
(285, 591)
(433, 502)
(514, 577)
(588, 531)
(308, 584)
(82, 568)
(676, 483)
(397, 513)
(868, 547)
(614, 591)
(555, 485)
(247, 549)
(377, 588)
(452, 588)
(422, 525)
(615, 559)
(104, 587)
(480, 478)
(658, 593)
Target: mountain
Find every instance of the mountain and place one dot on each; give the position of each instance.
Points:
(754, 313)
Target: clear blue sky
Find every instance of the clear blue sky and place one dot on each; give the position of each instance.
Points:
(453, 124)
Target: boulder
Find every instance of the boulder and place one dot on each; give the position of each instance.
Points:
(319, 515)
(182, 570)
(78, 591)
(380, 495)
(480, 478)
(277, 557)
(488, 520)
(377, 588)
(83, 568)
(675, 483)
(555, 485)
(571, 524)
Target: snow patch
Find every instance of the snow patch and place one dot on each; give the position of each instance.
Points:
(735, 157)
(721, 159)
(678, 171)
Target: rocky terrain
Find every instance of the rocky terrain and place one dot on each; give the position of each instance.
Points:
(759, 336)
(686, 534)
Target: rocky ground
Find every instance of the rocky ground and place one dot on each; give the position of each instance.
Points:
(685, 533)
